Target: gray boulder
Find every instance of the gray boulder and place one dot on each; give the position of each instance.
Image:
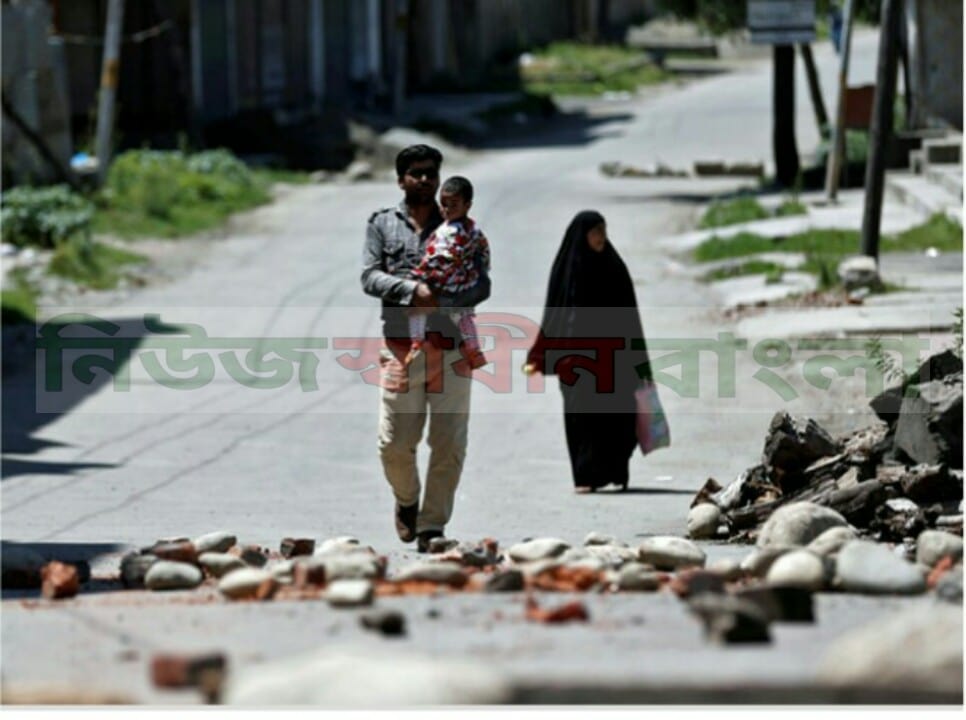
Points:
(873, 569)
(359, 677)
(798, 524)
(920, 648)
(933, 545)
(930, 426)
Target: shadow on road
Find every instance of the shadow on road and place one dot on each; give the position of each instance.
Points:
(32, 398)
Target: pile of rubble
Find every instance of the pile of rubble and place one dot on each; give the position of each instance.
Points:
(889, 482)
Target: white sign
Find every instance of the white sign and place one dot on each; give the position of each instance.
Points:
(781, 22)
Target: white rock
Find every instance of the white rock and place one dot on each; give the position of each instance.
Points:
(220, 564)
(919, 648)
(244, 582)
(669, 553)
(798, 524)
(727, 568)
(800, 569)
(349, 593)
(344, 543)
(348, 566)
(638, 577)
(283, 571)
(359, 677)
(866, 567)
(612, 555)
(831, 541)
(216, 542)
(538, 549)
(760, 561)
(859, 271)
(170, 575)
(596, 538)
(449, 573)
(703, 521)
(933, 545)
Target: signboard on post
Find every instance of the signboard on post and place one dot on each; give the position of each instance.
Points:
(781, 22)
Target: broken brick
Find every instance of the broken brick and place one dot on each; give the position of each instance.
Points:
(60, 580)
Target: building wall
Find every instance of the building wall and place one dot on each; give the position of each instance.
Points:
(35, 85)
(936, 35)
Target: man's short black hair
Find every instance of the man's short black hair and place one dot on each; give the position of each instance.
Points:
(414, 154)
(459, 185)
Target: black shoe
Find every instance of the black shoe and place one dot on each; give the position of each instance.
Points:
(406, 521)
(423, 539)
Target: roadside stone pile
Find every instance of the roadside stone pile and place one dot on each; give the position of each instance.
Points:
(889, 482)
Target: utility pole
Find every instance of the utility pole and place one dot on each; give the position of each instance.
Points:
(783, 131)
(402, 44)
(815, 90)
(110, 71)
(880, 131)
(833, 166)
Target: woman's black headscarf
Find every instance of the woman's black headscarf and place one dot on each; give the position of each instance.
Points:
(583, 278)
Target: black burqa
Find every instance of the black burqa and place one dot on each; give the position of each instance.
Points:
(590, 295)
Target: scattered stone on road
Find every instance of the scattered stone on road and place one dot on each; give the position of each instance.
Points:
(183, 551)
(387, 622)
(638, 577)
(703, 521)
(759, 562)
(596, 538)
(214, 542)
(444, 573)
(254, 556)
(185, 671)
(780, 604)
(728, 619)
(219, 564)
(798, 524)
(873, 569)
(670, 553)
(349, 593)
(344, 543)
(933, 545)
(60, 580)
(505, 581)
(539, 549)
(346, 677)
(248, 583)
(831, 541)
(134, 567)
(798, 569)
(918, 648)
(950, 586)
(293, 547)
(171, 575)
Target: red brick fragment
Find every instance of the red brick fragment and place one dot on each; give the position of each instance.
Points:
(305, 575)
(183, 671)
(177, 551)
(941, 568)
(294, 547)
(59, 580)
(564, 613)
(566, 579)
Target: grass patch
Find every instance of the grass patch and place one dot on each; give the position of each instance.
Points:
(732, 212)
(18, 299)
(773, 272)
(746, 209)
(571, 68)
(824, 249)
(790, 207)
(91, 264)
(171, 194)
(938, 232)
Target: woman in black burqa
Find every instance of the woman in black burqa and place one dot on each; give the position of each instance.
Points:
(591, 296)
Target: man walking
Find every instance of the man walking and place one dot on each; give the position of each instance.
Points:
(437, 384)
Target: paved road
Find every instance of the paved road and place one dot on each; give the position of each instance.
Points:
(129, 467)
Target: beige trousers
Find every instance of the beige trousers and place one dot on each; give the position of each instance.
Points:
(430, 386)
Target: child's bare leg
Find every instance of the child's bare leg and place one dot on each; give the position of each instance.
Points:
(417, 334)
(471, 340)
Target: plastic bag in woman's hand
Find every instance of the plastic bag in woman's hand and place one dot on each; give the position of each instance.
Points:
(652, 428)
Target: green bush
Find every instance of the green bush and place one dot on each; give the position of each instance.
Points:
(43, 217)
(731, 212)
(170, 193)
